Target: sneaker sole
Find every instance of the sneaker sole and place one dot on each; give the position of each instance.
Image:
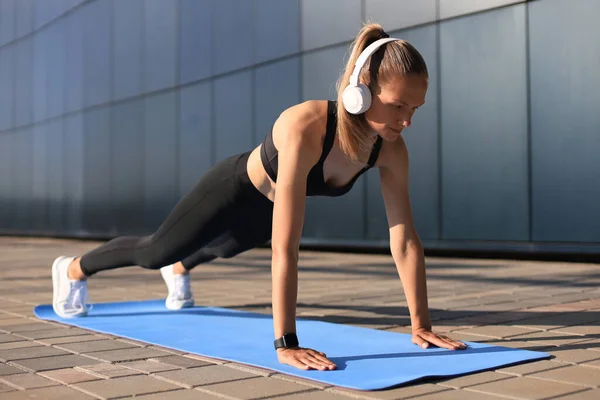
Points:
(179, 306)
(55, 287)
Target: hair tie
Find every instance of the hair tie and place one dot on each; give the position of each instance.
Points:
(383, 35)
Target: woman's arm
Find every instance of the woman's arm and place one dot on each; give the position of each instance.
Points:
(298, 153)
(405, 244)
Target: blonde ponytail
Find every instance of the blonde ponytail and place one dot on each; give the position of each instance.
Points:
(399, 58)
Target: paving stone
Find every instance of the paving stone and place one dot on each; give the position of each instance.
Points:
(207, 359)
(530, 368)
(30, 352)
(29, 326)
(497, 331)
(93, 346)
(49, 393)
(72, 339)
(126, 386)
(181, 361)
(204, 375)
(302, 381)
(8, 322)
(473, 379)
(255, 388)
(7, 338)
(107, 370)
(4, 388)
(526, 387)
(593, 394)
(314, 395)
(550, 338)
(9, 370)
(182, 394)
(18, 345)
(418, 389)
(57, 362)
(48, 333)
(130, 354)
(575, 356)
(251, 369)
(455, 394)
(149, 366)
(577, 330)
(27, 381)
(576, 374)
(68, 376)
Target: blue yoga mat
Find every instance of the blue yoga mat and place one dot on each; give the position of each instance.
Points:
(367, 359)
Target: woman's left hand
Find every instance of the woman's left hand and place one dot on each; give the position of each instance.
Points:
(424, 338)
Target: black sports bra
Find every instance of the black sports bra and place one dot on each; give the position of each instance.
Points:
(316, 185)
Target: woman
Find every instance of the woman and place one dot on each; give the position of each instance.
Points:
(315, 148)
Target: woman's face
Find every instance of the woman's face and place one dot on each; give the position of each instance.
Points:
(394, 104)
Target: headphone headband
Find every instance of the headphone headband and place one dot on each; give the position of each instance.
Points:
(366, 53)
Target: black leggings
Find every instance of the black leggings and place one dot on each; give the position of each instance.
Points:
(222, 216)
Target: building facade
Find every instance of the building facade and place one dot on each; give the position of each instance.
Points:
(110, 110)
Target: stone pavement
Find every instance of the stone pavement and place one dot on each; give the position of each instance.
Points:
(553, 307)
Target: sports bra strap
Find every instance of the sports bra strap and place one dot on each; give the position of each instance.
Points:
(374, 152)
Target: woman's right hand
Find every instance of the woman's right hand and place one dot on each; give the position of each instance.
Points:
(305, 359)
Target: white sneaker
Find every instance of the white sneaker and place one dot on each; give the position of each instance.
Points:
(70, 296)
(180, 294)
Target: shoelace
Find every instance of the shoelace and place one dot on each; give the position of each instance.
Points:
(77, 296)
(182, 286)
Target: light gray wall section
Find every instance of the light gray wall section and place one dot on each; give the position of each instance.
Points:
(23, 82)
(329, 22)
(233, 33)
(97, 49)
(195, 134)
(74, 172)
(453, 8)
(276, 89)
(277, 29)
(160, 158)
(40, 46)
(398, 14)
(195, 40)
(8, 10)
(6, 87)
(422, 142)
(39, 192)
(127, 165)
(160, 39)
(484, 126)
(320, 71)
(55, 177)
(55, 67)
(127, 39)
(6, 179)
(97, 210)
(23, 178)
(565, 120)
(233, 115)
(24, 17)
(74, 73)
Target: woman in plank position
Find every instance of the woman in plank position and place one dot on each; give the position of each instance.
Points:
(316, 148)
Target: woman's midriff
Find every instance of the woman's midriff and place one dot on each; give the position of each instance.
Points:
(259, 177)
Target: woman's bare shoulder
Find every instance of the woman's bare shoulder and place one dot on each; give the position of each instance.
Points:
(305, 121)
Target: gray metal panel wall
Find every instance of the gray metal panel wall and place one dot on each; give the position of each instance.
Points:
(565, 120)
(112, 110)
(484, 126)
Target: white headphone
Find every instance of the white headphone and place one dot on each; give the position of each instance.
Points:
(357, 96)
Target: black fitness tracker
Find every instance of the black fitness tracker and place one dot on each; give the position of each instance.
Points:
(287, 341)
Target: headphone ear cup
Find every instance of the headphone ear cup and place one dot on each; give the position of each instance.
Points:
(357, 99)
